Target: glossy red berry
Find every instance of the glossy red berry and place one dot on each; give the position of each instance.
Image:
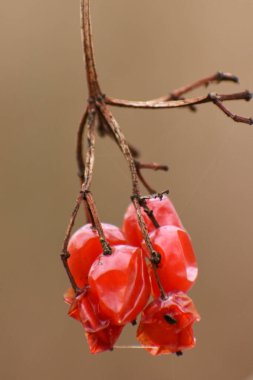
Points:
(166, 325)
(84, 247)
(101, 335)
(177, 269)
(119, 284)
(164, 212)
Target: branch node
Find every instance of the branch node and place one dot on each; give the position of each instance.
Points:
(100, 98)
(107, 251)
(84, 193)
(155, 258)
(65, 255)
(155, 195)
(149, 212)
(212, 96)
(248, 95)
(142, 202)
(220, 76)
(173, 96)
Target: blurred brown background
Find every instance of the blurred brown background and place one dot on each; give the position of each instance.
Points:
(143, 49)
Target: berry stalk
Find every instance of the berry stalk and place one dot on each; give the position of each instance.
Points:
(97, 115)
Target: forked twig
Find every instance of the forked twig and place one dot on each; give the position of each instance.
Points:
(152, 166)
(217, 99)
(98, 110)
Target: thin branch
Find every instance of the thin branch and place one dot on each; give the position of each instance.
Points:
(92, 207)
(152, 166)
(105, 130)
(217, 77)
(80, 159)
(179, 92)
(217, 99)
(144, 181)
(136, 198)
(89, 167)
(98, 107)
(92, 79)
(65, 254)
(120, 138)
(79, 145)
(90, 154)
(159, 104)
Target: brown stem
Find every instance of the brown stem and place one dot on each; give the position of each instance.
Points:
(92, 79)
(112, 123)
(120, 138)
(147, 210)
(177, 94)
(92, 207)
(150, 189)
(89, 167)
(90, 154)
(105, 130)
(65, 254)
(212, 97)
(152, 166)
(98, 106)
(85, 194)
(93, 86)
(159, 104)
(217, 77)
(80, 160)
(79, 145)
(90, 117)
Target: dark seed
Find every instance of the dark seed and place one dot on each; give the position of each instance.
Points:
(168, 318)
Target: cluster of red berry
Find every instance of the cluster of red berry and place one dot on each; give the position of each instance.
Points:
(116, 287)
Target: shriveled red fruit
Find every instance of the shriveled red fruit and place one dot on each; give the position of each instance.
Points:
(85, 311)
(166, 325)
(164, 212)
(84, 247)
(178, 266)
(101, 335)
(70, 299)
(119, 284)
(103, 340)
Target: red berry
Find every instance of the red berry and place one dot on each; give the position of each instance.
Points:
(178, 267)
(166, 325)
(83, 310)
(103, 340)
(101, 335)
(119, 284)
(84, 247)
(164, 213)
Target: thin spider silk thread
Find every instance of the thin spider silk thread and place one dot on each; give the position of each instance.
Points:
(133, 347)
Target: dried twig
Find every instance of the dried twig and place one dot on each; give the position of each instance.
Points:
(217, 99)
(97, 110)
(152, 166)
